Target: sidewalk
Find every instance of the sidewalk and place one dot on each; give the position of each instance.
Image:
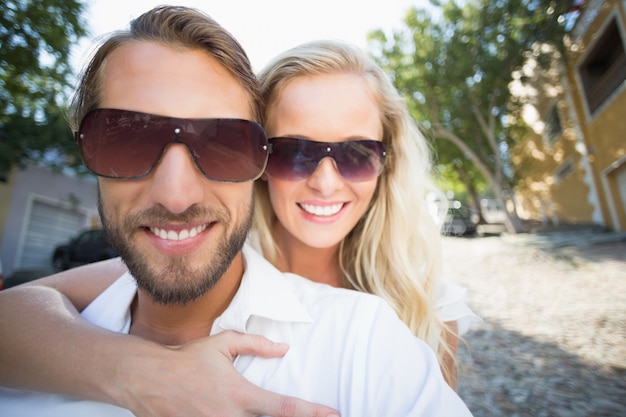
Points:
(566, 236)
(553, 339)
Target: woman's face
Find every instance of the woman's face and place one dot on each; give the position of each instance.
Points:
(321, 209)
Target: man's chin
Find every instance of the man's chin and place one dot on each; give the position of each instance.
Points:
(174, 283)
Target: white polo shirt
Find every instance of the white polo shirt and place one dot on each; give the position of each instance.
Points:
(348, 350)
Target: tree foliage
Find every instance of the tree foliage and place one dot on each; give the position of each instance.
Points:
(454, 63)
(36, 37)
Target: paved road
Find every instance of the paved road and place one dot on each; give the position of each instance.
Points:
(553, 340)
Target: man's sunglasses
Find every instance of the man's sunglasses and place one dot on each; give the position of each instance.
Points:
(126, 144)
(296, 159)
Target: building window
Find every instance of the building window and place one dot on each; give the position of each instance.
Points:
(604, 70)
(552, 126)
(563, 170)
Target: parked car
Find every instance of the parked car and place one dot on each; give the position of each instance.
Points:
(1, 280)
(459, 221)
(22, 276)
(89, 246)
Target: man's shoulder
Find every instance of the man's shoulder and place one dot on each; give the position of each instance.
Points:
(111, 309)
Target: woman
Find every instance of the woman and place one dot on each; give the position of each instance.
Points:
(342, 202)
(335, 221)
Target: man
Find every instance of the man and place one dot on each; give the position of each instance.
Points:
(164, 116)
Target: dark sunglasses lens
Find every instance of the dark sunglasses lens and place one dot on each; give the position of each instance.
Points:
(291, 159)
(295, 159)
(228, 149)
(359, 160)
(125, 144)
(121, 144)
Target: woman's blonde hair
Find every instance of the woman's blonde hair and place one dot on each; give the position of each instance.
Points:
(394, 251)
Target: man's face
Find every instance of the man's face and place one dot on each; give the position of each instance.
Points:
(177, 231)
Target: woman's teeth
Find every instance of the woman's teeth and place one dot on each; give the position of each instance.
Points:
(322, 210)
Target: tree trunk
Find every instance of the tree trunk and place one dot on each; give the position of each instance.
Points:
(512, 221)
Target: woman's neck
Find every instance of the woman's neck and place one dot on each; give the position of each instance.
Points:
(317, 264)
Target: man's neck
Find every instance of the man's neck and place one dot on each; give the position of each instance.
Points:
(177, 324)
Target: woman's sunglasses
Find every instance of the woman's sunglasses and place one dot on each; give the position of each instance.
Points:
(296, 159)
(126, 144)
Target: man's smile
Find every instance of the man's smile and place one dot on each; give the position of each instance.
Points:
(180, 234)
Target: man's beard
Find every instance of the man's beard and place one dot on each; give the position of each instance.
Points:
(177, 283)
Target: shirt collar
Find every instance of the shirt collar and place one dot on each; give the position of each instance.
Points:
(264, 292)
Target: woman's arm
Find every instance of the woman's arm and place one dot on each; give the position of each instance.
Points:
(457, 317)
(43, 334)
(448, 366)
(84, 283)
(46, 346)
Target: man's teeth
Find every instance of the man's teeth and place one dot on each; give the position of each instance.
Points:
(322, 210)
(181, 235)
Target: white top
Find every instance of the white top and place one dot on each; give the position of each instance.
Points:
(348, 350)
(450, 304)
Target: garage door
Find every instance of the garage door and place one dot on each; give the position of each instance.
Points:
(47, 227)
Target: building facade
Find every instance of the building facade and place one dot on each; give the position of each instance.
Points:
(572, 163)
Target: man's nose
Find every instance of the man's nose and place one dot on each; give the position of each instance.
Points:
(177, 183)
(326, 178)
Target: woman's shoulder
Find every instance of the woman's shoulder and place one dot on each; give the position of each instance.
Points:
(451, 305)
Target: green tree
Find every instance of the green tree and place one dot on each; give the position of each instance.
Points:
(454, 63)
(35, 75)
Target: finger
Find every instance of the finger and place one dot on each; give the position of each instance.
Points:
(250, 344)
(276, 405)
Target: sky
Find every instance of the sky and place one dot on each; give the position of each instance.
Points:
(263, 27)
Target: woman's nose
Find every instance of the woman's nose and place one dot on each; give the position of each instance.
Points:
(326, 177)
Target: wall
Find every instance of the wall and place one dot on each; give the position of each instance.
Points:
(39, 184)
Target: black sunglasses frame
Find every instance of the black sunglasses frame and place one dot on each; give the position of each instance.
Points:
(112, 143)
(356, 160)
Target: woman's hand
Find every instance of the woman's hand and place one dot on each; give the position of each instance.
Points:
(64, 354)
(198, 379)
